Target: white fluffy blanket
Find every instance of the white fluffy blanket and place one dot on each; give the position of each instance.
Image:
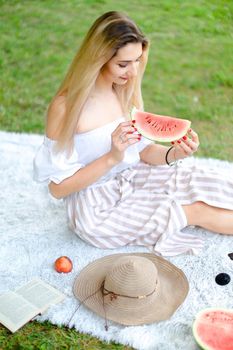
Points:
(34, 233)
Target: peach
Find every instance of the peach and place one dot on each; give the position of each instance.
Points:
(63, 264)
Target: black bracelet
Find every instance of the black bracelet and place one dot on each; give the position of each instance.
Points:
(172, 163)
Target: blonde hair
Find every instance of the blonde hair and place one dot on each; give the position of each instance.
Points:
(109, 32)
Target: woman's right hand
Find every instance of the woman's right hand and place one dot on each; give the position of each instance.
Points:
(122, 137)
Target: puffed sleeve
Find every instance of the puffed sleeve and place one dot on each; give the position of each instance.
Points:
(143, 143)
(49, 165)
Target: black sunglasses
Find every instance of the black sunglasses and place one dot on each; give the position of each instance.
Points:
(223, 278)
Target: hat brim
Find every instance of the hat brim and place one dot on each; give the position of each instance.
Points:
(172, 290)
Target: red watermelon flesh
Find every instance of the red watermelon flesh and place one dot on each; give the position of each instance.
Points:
(159, 127)
(213, 329)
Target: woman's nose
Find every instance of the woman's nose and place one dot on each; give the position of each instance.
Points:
(133, 69)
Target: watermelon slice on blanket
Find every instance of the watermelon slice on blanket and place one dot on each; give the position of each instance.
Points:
(159, 128)
(213, 329)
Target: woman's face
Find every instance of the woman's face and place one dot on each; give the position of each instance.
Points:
(124, 65)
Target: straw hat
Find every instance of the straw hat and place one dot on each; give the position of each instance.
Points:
(131, 289)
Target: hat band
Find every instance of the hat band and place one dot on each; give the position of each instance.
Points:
(114, 295)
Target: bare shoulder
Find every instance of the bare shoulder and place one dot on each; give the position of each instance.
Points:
(55, 117)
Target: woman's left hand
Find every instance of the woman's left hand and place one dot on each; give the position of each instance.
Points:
(187, 145)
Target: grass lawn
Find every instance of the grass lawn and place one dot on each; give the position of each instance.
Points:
(189, 75)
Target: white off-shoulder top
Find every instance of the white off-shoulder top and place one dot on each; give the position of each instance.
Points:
(49, 165)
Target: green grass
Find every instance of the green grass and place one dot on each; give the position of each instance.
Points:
(189, 75)
(36, 336)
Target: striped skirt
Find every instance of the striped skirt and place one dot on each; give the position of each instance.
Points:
(142, 205)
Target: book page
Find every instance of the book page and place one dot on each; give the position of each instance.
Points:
(15, 311)
(40, 294)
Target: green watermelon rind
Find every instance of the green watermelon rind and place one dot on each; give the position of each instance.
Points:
(195, 323)
(158, 139)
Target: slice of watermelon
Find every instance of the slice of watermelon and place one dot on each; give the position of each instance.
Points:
(159, 128)
(213, 329)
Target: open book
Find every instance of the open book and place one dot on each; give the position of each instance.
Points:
(20, 306)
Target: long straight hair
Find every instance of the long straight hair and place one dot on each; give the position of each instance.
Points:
(109, 33)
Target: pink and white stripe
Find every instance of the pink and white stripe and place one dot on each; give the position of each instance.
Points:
(143, 206)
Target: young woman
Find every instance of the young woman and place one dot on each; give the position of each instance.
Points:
(117, 186)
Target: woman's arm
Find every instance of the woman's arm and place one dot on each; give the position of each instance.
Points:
(99, 167)
(83, 177)
(155, 154)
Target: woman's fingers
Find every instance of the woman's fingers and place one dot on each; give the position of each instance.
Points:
(129, 137)
(126, 133)
(127, 128)
(192, 143)
(185, 147)
(122, 137)
(188, 145)
(194, 136)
